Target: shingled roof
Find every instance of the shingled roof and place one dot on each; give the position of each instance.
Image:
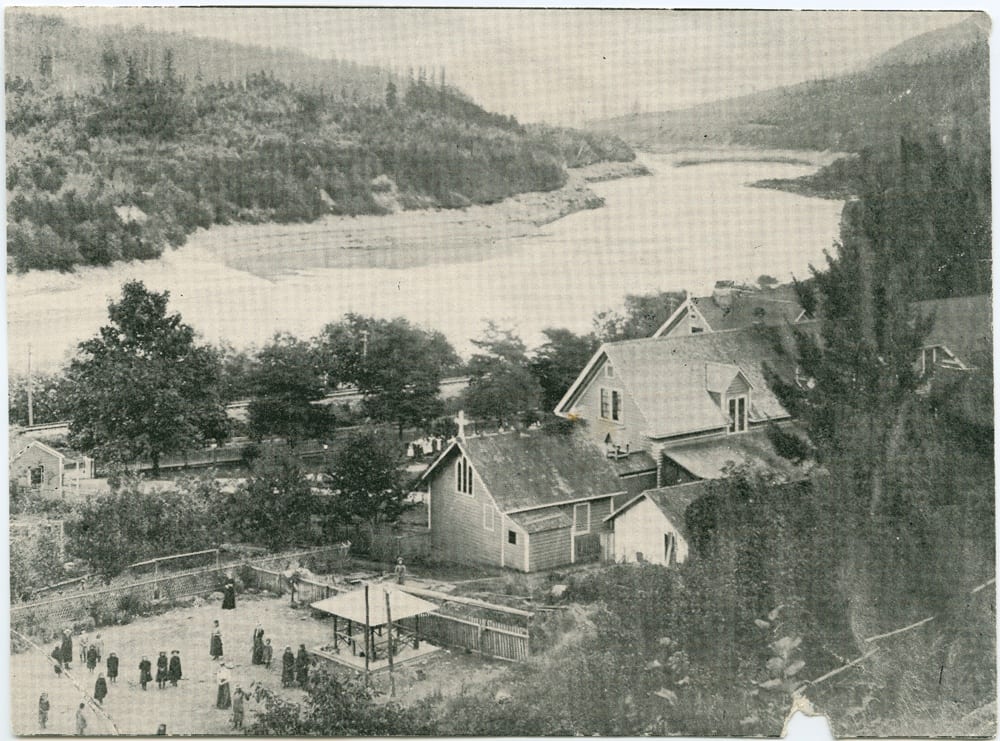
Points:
(709, 459)
(964, 325)
(666, 376)
(672, 501)
(775, 306)
(529, 471)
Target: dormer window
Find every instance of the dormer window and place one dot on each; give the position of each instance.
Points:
(738, 414)
(611, 405)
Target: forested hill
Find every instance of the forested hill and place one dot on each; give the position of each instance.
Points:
(939, 80)
(116, 149)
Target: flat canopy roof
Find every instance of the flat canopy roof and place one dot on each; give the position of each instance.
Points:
(351, 605)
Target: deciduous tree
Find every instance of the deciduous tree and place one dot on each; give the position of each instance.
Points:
(143, 387)
(365, 480)
(285, 380)
(396, 366)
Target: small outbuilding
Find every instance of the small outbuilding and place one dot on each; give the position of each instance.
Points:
(375, 614)
(43, 469)
(651, 528)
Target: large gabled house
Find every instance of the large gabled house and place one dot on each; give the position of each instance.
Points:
(524, 501)
(684, 407)
(734, 307)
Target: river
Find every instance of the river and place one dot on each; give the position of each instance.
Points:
(681, 227)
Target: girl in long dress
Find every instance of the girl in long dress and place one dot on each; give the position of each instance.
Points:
(229, 597)
(287, 667)
(112, 663)
(161, 669)
(174, 672)
(215, 647)
(223, 698)
(257, 655)
(100, 689)
(302, 667)
(145, 673)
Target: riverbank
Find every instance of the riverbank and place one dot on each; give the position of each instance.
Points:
(405, 239)
(530, 262)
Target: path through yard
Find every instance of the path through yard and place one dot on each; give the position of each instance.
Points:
(190, 707)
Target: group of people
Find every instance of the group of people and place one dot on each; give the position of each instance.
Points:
(167, 670)
(295, 667)
(425, 446)
(262, 651)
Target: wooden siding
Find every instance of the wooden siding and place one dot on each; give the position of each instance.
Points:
(641, 530)
(513, 555)
(588, 406)
(671, 474)
(636, 485)
(550, 549)
(32, 457)
(690, 320)
(738, 386)
(457, 532)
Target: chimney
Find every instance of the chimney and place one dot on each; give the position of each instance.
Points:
(722, 294)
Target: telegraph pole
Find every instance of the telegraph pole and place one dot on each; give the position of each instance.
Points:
(31, 411)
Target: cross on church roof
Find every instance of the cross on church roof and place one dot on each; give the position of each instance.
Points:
(461, 420)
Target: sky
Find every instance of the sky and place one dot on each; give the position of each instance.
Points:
(569, 65)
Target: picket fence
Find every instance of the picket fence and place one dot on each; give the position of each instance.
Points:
(507, 639)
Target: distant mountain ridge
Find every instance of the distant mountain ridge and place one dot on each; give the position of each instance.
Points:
(76, 56)
(938, 80)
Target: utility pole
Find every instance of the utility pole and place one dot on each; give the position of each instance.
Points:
(31, 411)
(364, 343)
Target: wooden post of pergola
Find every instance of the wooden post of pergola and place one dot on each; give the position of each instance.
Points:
(335, 634)
(367, 633)
(388, 615)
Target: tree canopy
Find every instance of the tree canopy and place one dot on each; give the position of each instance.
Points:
(365, 481)
(501, 385)
(285, 379)
(397, 366)
(143, 387)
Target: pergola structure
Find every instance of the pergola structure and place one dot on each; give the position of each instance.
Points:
(371, 608)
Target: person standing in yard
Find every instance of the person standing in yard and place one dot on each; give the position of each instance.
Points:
(84, 644)
(98, 643)
(112, 664)
(302, 666)
(162, 669)
(267, 653)
(81, 721)
(91, 657)
(229, 596)
(257, 654)
(223, 698)
(238, 698)
(215, 647)
(57, 655)
(287, 667)
(145, 672)
(100, 689)
(43, 710)
(174, 672)
(67, 649)
(400, 571)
